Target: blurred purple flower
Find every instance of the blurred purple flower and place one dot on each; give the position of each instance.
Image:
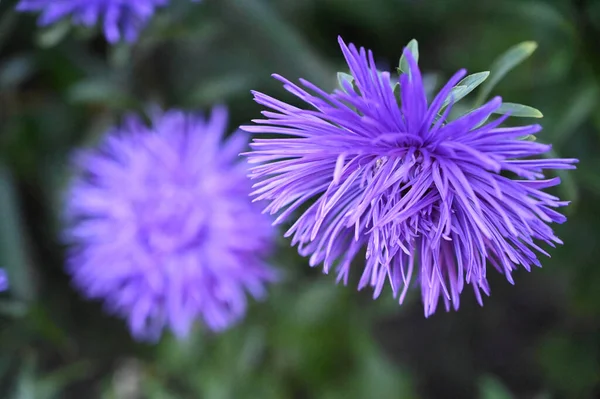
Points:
(415, 189)
(122, 19)
(3, 280)
(162, 226)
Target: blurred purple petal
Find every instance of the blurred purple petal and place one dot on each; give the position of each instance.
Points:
(162, 227)
(3, 280)
(121, 19)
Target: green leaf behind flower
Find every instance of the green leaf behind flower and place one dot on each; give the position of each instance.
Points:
(413, 46)
(465, 86)
(520, 110)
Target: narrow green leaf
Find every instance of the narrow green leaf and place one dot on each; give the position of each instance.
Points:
(504, 64)
(396, 90)
(413, 46)
(465, 86)
(54, 34)
(475, 79)
(25, 383)
(520, 110)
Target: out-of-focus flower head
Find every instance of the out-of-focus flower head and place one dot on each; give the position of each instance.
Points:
(121, 19)
(162, 228)
(3, 280)
(425, 195)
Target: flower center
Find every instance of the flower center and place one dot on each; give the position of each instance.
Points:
(172, 220)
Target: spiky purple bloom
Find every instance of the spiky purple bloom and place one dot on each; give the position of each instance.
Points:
(162, 227)
(122, 19)
(417, 191)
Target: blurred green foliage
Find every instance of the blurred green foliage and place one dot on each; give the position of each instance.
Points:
(62, 86)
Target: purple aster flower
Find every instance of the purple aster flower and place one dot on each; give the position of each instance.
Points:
(121, 18)
(424, 195)
(3, 280)
(162, 227)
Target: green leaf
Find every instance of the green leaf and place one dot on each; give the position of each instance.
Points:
(504, 64)
(396, 90)
(520, 110)
(53, 34)
(413, 47)
(25, 382)
(465, 86)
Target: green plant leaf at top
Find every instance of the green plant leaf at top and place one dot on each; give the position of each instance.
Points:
(519, 110)
(465, 86)
(413, 46)
(504, 64)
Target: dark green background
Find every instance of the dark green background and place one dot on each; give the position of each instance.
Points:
(60, 88)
